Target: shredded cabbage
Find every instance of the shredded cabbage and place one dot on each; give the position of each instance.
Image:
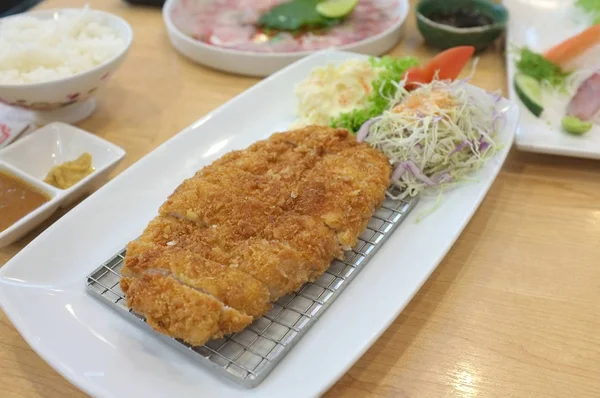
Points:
(436, 135)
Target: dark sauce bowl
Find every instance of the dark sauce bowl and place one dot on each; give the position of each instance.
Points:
(450, 23)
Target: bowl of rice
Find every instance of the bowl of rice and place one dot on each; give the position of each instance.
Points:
(53, 62)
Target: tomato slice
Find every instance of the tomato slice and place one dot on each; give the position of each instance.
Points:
(448, 64)
(415, 76)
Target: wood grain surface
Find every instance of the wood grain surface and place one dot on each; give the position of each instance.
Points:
(513, 310)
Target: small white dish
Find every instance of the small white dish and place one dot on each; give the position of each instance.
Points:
(37, 216)
(555, 21)
(261, 64)
(32, 157)
(105, 355)
(68, 99)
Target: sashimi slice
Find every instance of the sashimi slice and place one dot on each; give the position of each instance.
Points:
(585, 104)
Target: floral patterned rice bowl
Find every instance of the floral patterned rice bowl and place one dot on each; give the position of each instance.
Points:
(68, 99)
(50, 106)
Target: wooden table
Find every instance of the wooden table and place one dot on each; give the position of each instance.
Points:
(513, 310)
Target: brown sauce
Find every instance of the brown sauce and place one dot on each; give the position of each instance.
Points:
(461, 18)
(17, 199)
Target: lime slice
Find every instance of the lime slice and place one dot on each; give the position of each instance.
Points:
(574, 125)
(336, 8)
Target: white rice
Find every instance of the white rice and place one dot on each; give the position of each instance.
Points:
(34, 50)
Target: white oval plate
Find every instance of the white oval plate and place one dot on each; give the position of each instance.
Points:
(540, 25)
(263, 64)
(105, 355)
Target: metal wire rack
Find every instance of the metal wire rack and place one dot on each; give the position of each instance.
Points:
(247, 357)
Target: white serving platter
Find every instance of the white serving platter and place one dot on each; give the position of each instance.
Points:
(540, 25)
(43, 293)
(263, 64)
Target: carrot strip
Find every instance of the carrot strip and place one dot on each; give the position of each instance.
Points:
(574, 46)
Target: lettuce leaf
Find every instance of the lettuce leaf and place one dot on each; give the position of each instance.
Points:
(391, 70)
(592, 7)
(296, 15)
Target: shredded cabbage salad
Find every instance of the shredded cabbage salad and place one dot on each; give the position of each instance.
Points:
(435, 135)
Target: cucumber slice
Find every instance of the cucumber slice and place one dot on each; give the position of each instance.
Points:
(530, 92)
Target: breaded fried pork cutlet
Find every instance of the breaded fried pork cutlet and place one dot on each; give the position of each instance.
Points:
(250, 228)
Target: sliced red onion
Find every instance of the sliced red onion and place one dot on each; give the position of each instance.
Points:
(411, 167)
(497, 97)
(364, 130)
(459, 148)
(481, 143)
(442, 177)
(417, 172)
(398, 172)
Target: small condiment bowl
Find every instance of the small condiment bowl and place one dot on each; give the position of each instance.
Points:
(37, 216)
(68, 99)
(443, 36)
(32, 157)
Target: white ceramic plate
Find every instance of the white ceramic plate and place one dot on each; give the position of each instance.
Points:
(42, 288)
(263, 64)
(541, 24)
(32, 157)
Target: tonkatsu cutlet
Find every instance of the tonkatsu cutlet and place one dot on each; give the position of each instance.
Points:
(250, 228)
(217, 260)
(343, 189)
(255, 182)
(233, 287)
(177, 310)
